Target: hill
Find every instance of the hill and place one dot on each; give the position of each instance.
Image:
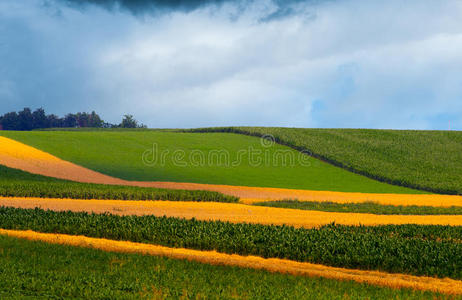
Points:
(216, 158)
(425, 160)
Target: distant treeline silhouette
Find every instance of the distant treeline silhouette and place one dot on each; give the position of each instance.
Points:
(38, 119)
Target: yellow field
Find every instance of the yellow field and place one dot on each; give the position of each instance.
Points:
(448, 286)
(20, 156)
(231, 212)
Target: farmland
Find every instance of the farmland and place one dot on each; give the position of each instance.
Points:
(365, 207)
(208, 220)
(402, 249)
(16, 183)
(426, 160)
(229, 212)
(36, 269)
(119, 154)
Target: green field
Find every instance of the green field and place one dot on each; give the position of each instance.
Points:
(216, 158)
(393, 248)
(16, 183)
(426, 160)
(40, 270)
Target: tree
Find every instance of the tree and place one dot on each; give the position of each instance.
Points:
(39, 119)
(26, 121)
(129, 122)
(10, 121)
(95, 120)
(70, 121)
(82, 119)
(54, 121)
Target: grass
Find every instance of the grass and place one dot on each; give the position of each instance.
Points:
(192, 157)
(425, 160)
(366, 207)
(16, 183)
(40, 270)
(411, 249)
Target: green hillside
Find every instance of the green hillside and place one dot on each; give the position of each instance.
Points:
(217, 158)
(426, 160)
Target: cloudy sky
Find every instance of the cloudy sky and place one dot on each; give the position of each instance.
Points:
(338, 63)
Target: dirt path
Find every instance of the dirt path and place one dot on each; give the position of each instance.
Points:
(231, 212)
(20, 156)
(447, 286)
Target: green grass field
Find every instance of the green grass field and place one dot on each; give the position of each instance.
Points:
(40, 270)
(216, 158)
(426, 160)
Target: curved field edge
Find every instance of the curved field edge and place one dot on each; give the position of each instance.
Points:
(227, 212)
(447, 286)
(424, 160)
(406, 249)
(17, 183)
(40, 269)
(215, 158)
(365, 207)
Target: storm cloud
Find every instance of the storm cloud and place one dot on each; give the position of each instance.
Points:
(344, 63)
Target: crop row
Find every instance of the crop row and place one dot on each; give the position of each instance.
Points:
(16, 183)
(41, 270)
(412, 249)
(425, 160)
(365, 207)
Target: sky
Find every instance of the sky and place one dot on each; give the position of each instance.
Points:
(190, 63)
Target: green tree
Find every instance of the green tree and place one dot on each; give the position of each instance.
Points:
(40, 119)
(129, 122)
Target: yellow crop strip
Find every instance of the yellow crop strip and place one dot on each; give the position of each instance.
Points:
(231, 212)
(20, 156)
(16, 155)
(341, 197)
(448, 286)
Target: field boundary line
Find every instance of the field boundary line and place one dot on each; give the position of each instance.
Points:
(446, 285)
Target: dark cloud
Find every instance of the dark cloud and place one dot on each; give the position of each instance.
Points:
(283, 8)
(143, 6)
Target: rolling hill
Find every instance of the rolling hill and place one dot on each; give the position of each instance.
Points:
(214, 158)
(425, 160)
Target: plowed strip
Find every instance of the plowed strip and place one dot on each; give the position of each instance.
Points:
(236, 213)
(20, 156)
(448, 286)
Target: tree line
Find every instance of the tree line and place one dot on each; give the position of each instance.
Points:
(38, 119)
